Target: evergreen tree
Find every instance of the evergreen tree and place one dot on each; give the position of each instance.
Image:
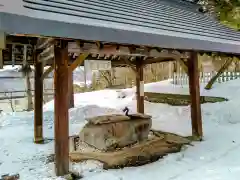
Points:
(227, 11)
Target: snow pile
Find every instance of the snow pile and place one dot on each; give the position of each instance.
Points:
(217, 157)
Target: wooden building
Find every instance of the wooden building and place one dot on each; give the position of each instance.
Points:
(134, 33)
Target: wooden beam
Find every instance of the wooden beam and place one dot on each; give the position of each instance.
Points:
(38, 101)
(61, 103)
(157, 60)
(139, 85)
(195, 96)
(70, 89)
(220, 71)
(78, 61)
(47, 72)
(120, 50)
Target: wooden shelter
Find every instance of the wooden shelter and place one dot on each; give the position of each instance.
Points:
(132, 33)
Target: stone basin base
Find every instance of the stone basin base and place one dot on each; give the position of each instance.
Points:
(115, 132)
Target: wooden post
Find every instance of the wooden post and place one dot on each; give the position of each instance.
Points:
(2, 46)
(139, 85)
(70, 89)
(61, 104)
(195, 96)
(38, 101)
(1, 59)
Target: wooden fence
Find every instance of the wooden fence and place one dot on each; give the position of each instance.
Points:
(17, 100)
(182, 79)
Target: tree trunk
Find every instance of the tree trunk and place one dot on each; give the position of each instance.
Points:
(221, 70)
(29, 93)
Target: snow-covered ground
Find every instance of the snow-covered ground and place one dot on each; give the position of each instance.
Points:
(216, 158)
(11, 79)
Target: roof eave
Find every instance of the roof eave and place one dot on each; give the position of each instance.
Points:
(12, 23)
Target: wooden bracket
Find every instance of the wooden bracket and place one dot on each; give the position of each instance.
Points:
(46, 73)
(77, 62)
(131, 65)
(43, 43)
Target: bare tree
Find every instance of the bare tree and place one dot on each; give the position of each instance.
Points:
(26, 70)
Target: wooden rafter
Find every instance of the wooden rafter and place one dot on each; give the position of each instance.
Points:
(103, 49)
(122, 50)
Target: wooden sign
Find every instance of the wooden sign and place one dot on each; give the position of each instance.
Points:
(141, 88)
(16, 54)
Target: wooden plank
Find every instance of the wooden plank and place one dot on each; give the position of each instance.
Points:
(78, 61)
(139, 85)
(195, 96)
(70, 89)
(61, 104)
(38, 101)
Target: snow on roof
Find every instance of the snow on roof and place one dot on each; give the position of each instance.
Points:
(167, 24)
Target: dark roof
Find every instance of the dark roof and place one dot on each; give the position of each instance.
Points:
(183, 4)
(161, 23)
